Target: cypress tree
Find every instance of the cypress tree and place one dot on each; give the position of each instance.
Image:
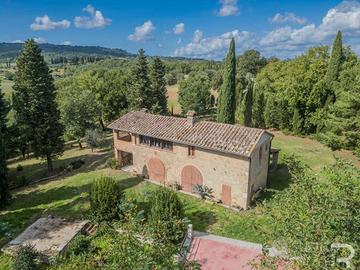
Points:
(248, 102)
(141, 92)
(333, 70)
(37, 114)
(336, 59)
(297, 122)
(258, 120)
(226, 106)
(158, 84)
(4, 188)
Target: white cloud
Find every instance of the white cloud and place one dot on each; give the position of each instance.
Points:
(179, 41)
(228, 8)
(45, 23)
(344, 17)
(67, 43)
(197, 36)
(287, 17)
(40, 40)
(95, 20)
(143, 32)
(17, 41)
(179, 29)
(215, 47)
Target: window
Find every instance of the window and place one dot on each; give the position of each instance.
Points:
(123, 136)
(145, 140)
(191, 151)
(157, 143)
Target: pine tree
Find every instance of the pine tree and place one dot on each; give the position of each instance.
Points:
(4, 188)
(226, 106)
(37, 114)
(158, 82)
(141, 92)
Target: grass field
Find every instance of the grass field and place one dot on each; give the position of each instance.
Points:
(68, 195)
(172, 93)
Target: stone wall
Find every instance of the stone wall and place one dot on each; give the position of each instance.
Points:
(216, 168)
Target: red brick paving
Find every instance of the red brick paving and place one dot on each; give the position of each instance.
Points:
(219, 255)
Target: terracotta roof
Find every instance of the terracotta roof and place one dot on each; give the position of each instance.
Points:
(227, 138)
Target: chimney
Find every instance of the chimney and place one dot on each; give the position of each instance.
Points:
(144, 110)
(191, 118)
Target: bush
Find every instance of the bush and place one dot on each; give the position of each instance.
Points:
(204, 191)
(19, 168)
(105, 195)
(166, 217)
(112, 163)
(79, 245)
(76, 164)
(24, 258)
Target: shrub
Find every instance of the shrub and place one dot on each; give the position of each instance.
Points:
(166, 217)
(79, 245)
(105, 195)
(76, 164)
(112, 163)
(24, 258)
(204, 191)
(19, 168)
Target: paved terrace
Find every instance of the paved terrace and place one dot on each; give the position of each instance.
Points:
(220, 253)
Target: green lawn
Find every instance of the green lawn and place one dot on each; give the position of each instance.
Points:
(68, 196)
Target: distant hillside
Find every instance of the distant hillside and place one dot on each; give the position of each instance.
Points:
(9, 51)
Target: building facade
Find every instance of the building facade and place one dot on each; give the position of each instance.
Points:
(230, 159)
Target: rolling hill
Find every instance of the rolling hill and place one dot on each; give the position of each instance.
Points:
(9, 51)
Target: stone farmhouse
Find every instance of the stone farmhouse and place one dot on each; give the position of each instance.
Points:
(232, 160)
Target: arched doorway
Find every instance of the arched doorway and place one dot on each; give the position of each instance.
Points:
(156, 170)
(190, 176)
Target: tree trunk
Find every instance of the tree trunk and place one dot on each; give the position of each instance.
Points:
(102, 123)
(49, 163)
(80, 145)
(23, 153)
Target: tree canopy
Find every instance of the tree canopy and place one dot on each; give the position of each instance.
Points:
(37, 114)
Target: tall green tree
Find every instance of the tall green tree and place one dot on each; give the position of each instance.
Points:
(141, 92)
(335, 59)
(34, 102)
(4, 187)
(194, 93)
(158, 84)
(244, 112)
(226, 104)
(79, 111)
(332, 74)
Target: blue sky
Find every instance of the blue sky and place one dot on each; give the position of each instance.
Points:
(191, 28)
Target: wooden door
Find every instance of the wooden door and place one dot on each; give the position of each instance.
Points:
(190, 176)
(156, 170)
(226, 195)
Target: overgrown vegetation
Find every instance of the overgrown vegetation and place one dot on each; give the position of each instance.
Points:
(166, 215)
(25, 258)
(312, 214)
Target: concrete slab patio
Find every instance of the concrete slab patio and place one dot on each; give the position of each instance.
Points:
(48, 235)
